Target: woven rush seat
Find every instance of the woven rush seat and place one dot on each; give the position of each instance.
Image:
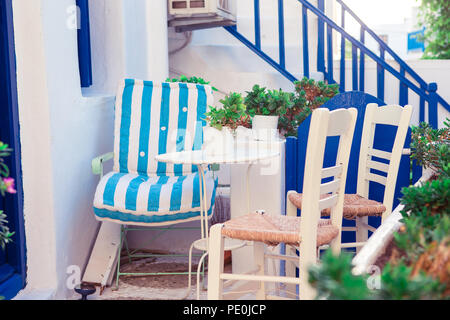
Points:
(275, 229)
(354, 206)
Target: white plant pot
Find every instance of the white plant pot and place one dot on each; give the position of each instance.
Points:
(218, 142)
(265, 127)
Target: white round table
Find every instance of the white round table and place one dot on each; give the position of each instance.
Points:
(201, 158)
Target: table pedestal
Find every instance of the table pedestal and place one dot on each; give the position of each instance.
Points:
(267, 184)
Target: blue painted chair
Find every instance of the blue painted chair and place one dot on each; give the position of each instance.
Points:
(150, 119)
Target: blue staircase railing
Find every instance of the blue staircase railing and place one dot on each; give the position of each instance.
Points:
(427, 92)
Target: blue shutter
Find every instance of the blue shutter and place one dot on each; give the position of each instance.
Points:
(84, 45)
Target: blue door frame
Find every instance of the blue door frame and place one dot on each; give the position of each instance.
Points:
(12, 260)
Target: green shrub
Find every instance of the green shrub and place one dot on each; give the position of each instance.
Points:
(6, 186)
(194, 79)
(264, 102)
(308, 96)
(232, 114)
(430, 147)
(334, 280)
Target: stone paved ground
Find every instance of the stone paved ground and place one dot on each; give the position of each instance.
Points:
(165, 287)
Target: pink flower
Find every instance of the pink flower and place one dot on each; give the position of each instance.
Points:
(9, 183)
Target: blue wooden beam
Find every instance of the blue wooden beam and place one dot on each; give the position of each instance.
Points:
(321, 38)
(257, 25)
(282, 54)
(305, 41)
(354, 67)
(380, 77)
(362, 61)
(329, 74)
(342, 64)
(84, 45)
(403, 90)
(433, 105)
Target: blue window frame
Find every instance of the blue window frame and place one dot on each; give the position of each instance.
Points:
(84, 44)
(13, 259)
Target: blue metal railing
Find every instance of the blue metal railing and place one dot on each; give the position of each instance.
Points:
(427, 92)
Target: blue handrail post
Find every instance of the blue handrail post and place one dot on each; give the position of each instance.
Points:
(403, 94)
(305, 41)
(342, 65)
(433, 105)
(354, 68)
(281, 33)
(320, 38)
(380, 77)
(362, 60)
(422, 106)
(257, 25)
(329, 74)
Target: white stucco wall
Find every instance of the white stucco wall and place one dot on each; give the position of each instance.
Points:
(63, 128)
(218, 57)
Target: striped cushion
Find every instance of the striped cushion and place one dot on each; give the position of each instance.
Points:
(154, 118)
(137, 199)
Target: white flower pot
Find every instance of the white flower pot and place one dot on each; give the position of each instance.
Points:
(218, 142)
(265, 127)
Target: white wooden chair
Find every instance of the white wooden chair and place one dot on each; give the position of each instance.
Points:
(303, 233)
(358, 206)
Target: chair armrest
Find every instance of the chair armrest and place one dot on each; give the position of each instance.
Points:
(97, 163)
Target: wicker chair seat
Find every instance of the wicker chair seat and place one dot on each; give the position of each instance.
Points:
(354, 206)
(275, 229)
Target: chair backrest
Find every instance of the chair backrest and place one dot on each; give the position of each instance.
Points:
(325, 123)
(152, 118)
(371, 166)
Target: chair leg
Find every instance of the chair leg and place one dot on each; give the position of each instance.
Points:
(308, 258)
(362, 233)
(291, 269)
(188, 290)
(119, 251)
(125, 241)
(258, 254)
(215, 262)
(200, 264)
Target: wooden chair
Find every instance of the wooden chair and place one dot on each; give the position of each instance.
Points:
(303, 233)
(358, 206)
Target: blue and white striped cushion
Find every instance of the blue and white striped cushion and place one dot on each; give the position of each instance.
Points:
(150, 119)
(137, 199)
(155, 118)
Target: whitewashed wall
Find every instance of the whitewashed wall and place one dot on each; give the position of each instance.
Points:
(63, 127)
(217, 56)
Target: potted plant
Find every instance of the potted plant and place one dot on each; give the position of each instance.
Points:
(309, 95)
(223, 122)
(265, 108)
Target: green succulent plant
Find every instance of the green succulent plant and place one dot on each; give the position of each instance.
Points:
(232, 113)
